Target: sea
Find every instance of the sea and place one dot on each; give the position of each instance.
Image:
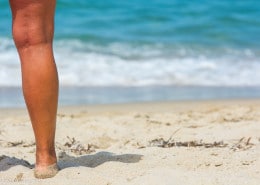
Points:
(120, 51)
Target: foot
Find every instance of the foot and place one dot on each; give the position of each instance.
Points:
(43, 172)
(46, 164)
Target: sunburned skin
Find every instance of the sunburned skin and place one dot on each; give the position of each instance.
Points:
(33, 29)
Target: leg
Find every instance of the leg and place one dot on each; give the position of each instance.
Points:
(33, 27)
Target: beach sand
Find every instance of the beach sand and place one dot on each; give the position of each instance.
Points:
(166, 143)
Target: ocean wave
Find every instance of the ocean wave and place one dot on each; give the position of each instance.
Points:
(124, 64)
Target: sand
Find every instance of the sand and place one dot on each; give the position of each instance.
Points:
(171, 143)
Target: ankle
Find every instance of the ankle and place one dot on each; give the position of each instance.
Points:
(45, 157)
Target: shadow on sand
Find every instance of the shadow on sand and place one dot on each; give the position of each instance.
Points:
(92, 161)
(66, 161)
(7, 162)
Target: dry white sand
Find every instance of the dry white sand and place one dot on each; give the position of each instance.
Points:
(198, 143)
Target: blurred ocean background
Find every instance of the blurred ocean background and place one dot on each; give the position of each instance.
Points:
(125, 51)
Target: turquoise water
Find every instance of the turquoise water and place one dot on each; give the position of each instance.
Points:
(140, 43)
(170, 22)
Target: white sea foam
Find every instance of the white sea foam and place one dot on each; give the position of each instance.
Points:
(86, 64)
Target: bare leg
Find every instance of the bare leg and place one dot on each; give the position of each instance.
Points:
(33, 27)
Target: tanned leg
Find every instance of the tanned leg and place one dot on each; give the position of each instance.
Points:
(33, 28)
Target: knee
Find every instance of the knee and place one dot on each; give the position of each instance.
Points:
(29, 32)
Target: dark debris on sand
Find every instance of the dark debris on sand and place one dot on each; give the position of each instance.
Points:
(242, 144)
(77, 147)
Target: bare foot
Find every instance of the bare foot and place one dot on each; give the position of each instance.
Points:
(46, 164)
(46, 171)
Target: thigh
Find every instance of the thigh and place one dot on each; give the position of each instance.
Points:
(33, 8)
